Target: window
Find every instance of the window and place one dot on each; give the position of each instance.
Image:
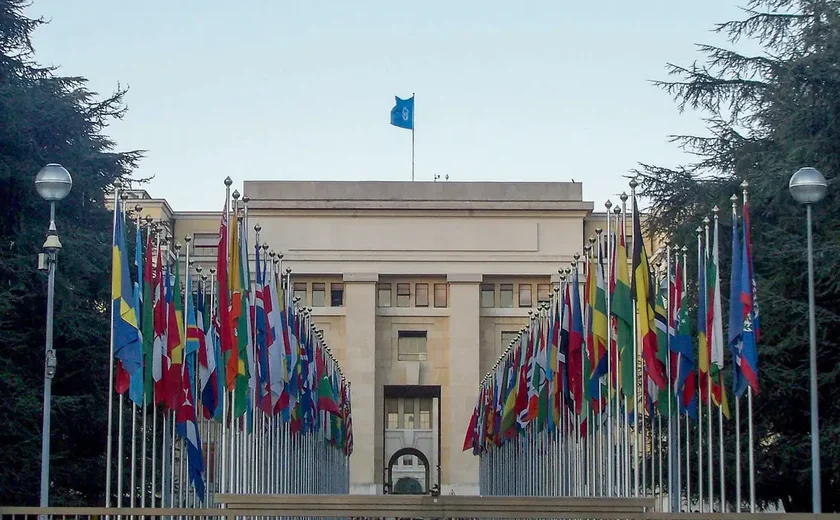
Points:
(525, 295)
(384, 295)
(408, 460)
(403, 294)
(408, 416)
(543, 292)
(319, 294)
(506, 295)
(411, 345)
(440, 295)
(507, 337)
(392, 413)
(336, 295)
(300, 292)
(488, 295)
(421, 295)
(425, 414)
(205, 244)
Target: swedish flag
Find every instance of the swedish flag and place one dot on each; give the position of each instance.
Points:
(125, 333)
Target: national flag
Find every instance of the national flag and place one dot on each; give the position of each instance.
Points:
(702, 338)
(750, 327)
(714, 325)
(576, 347)
(228, 367)
(642, 290)
(736, 312)
(160, 353)
(622, 310)
(125, 332)
(135, 389)
(175, 341)
(186, 425)
(148, 322)
(207, 374)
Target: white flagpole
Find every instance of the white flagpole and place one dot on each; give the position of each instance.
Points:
(721, 477)
(751, 457)
(108, 449)
(702, 290)
(611, 455)
(413, 119)
(709, 444)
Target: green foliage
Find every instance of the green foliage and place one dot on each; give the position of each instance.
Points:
(47, 118)
(769, 115)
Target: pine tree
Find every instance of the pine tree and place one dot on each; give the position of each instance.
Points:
(46, 117)
(767, 116)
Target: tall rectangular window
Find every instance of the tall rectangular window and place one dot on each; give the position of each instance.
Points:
(488, 295)
(384, 295)
(525, 295)
(440, 295)
(300, 292)
(543, 292)
(336, 295)
(392, 413)
(411, 345)
(507, 338)
(403, 294)
(425, 414)
(506, 295)
(421, 295)
(319, 294)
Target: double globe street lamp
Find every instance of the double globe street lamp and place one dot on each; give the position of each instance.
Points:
(808, 186)
(53, 184)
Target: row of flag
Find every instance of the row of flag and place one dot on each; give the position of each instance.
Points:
(611, 339)
(229, 348)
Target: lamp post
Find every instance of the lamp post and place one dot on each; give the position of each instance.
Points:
(53, 183)
(808, 186)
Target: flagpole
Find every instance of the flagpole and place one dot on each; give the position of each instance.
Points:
(625, 420)
(137, 208)
(675, 392)
(687, 423)
(709, 431)
(721, 476)
(734, 199)
(610, 435)
(120, 434)
(108, 449)
(413, 109)
(143, 448)
(700, 290)
(745, 186)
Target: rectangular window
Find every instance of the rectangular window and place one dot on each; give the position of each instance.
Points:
(543, 292)
(506, 295)
(384, 295)
(421, 295)
(411, 345)
(300, 292)
(392, 413)
(440, 295)
(205, 244)
(507, 337)
(488, 295)
(336, 295)
(408, 460)
(403, 294)
(525, 295)
(319, 294)
(425, 414)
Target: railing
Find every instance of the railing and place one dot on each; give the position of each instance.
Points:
(368, 507)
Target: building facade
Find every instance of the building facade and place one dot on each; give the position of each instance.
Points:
(418, 287)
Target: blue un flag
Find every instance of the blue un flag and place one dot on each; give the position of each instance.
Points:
(402, 115)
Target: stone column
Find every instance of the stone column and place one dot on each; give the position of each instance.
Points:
(464, 376)
(360, 336)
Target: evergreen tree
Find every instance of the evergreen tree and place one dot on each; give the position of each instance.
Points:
(767, 116)
(46, 117)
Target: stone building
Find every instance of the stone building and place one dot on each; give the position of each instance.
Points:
(418, 287)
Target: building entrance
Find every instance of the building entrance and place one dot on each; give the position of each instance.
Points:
(412, 439)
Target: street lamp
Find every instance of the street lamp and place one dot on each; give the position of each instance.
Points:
(808, 186)
(53, 183)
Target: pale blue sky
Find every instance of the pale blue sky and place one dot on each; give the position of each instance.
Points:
(506, 91)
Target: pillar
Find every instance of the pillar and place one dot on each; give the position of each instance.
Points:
(360, 336)
(464, 376)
